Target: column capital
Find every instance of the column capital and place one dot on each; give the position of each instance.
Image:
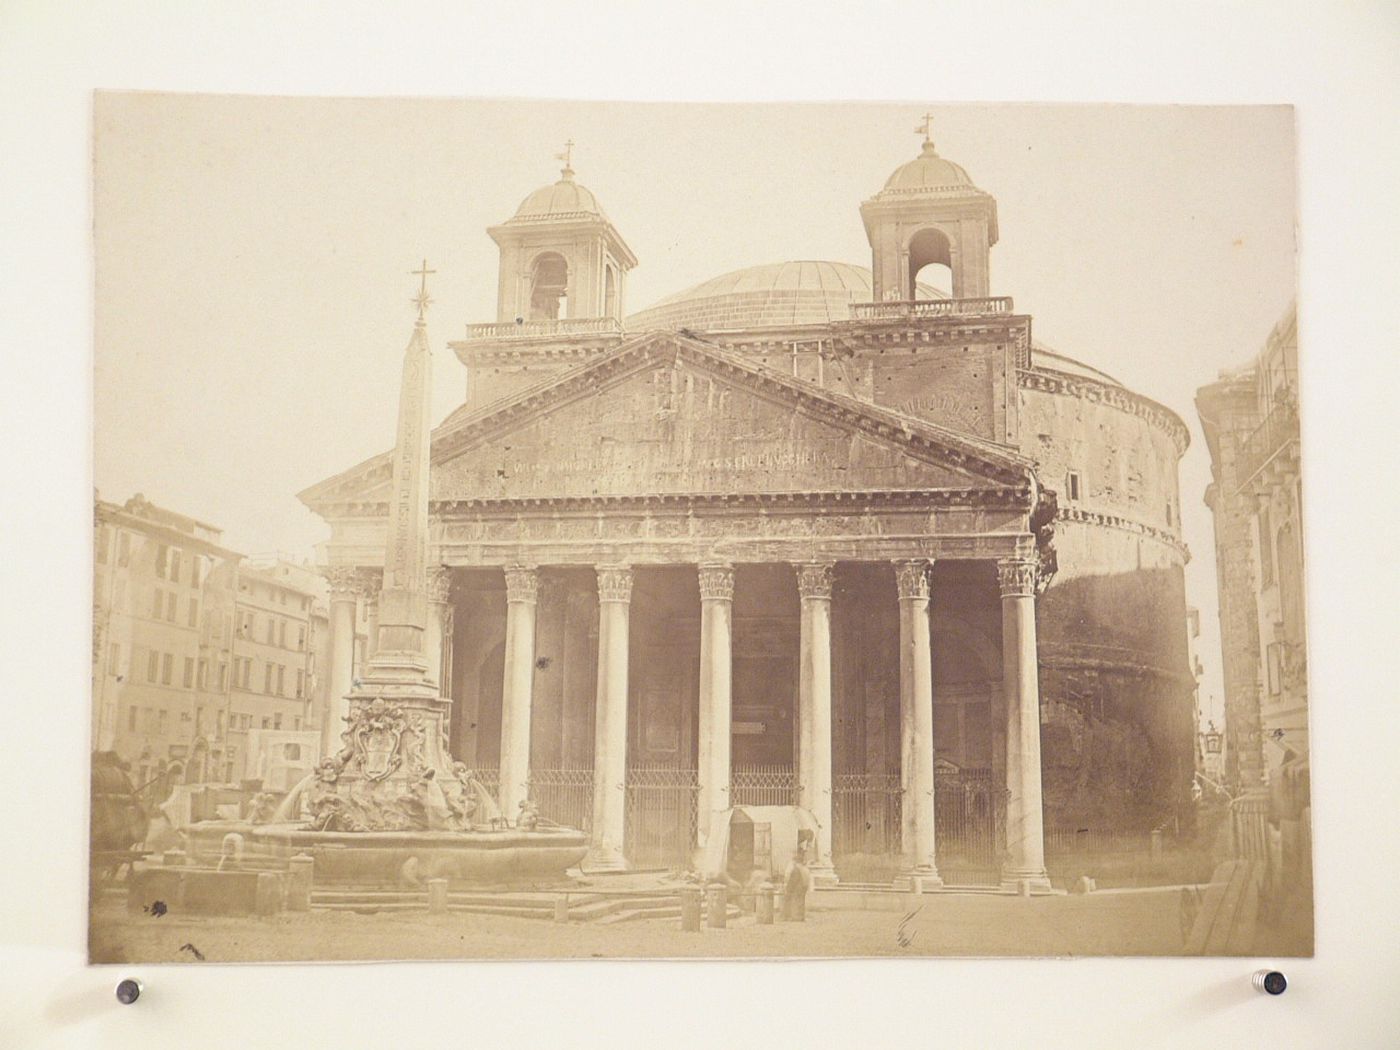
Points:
(344, 582)
(614, 583)
(439, 584)
(814, 579)
(522, 583)
(371, 583)
(911, 577)
(1017, 577)
(716, 582)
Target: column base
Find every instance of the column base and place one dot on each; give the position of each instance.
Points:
(928, 878)
(603, 859)
(1025, 883)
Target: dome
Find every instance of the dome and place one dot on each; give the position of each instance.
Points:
(787, 293)
(565, 199)
(928, 171)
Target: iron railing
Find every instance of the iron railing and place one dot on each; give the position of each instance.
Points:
(1275, 433)
(1059, 841)
(866, 810)
(565, 796)
(970, 824)
(662, 816)
(763, 786)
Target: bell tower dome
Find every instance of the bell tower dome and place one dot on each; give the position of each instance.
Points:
(561, 259)
(930, 212)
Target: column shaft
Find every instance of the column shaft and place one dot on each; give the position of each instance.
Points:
(522, 588)
(716, 691)
(343, 596)
(916, 720)
(814, 710)
(1025, 836)
(610, 718)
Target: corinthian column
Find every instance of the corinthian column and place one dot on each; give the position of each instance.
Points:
(916, 720)
(522, 589)
(814, 710)
(610, 719)
(371, 584)
(716, 685)
(344, 591)
(1025, 835)
(439, 588)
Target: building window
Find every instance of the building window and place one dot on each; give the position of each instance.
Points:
(170, 606)
(247, 670)
(281, 680)
(271, 631)
(196, 570)
(296, 722)
(114, 656)
(203, 673)
(102, 541)
(266, 723)
(267, 678)
(152, 666)
(189, 672)
(157, 604)
(282, 633)
(301, 639)
(277, 720)
(1266, 548)
(301, 684)
(223, 677)
(175, 565)
(162, 556)
(1275, 668)
(1073, 485)
(194, 612)
(123, 549)
(167, 668)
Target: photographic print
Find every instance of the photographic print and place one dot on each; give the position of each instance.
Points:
(548, 529)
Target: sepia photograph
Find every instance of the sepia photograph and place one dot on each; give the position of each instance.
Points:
(568, 529)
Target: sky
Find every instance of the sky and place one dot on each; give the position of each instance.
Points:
(253, 256)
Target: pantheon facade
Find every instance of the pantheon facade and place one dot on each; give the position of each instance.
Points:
(805, 533)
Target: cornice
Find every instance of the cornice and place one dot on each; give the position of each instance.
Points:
(1114, 521)
(1159, 415)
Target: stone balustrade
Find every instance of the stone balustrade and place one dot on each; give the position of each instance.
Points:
(562, 327)
(913, 309)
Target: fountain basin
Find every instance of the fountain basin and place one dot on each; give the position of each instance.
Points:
(479, 857)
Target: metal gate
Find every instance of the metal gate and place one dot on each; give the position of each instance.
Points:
(866, 810)
(763, 786)
(661, 816)
(970, 823)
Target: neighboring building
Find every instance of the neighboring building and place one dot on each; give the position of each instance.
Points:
(195, 647)
(720, 513)
(160, 579)
(1250, 419)
(274, 659)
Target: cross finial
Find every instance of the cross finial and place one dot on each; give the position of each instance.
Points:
(567, 157)
(422, 299)
(925, 128)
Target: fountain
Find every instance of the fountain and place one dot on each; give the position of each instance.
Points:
(391, 806)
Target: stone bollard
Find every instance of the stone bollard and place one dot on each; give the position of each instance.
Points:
(173, 858)
(764, 906)
(300, 869)
(690, 908)
(716, 905)
(794, 905)
(268, 899)
(561, 909)
(437, 896)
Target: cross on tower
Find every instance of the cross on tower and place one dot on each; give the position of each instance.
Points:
(567, 157)
(925, 128)
(422, 299)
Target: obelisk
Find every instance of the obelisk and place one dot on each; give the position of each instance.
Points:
(397, 689)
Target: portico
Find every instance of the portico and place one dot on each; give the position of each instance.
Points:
(640, 631)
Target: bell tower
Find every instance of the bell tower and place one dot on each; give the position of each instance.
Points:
(930, 213)
(561, 259)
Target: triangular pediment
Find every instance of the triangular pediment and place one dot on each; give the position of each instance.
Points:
(667, 415)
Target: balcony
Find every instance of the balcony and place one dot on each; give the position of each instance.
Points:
(1275, 439)
(561, 328)
(916, 309)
